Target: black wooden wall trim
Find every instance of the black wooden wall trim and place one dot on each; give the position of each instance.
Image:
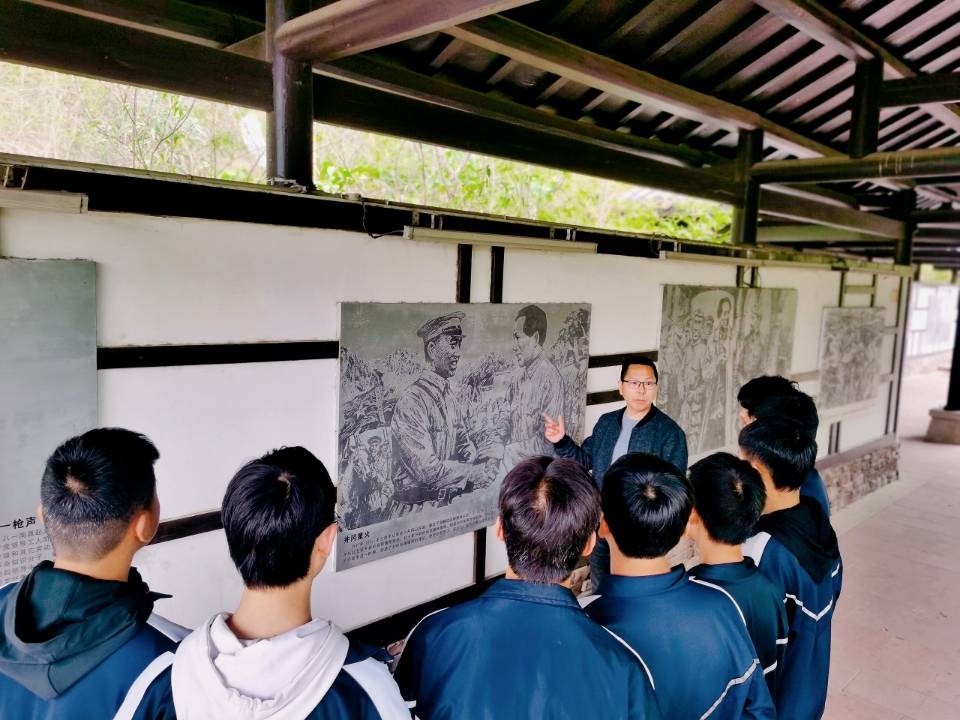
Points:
(109, 358)
(496, 274)
(136, 192)
(464, 272)
(186, 526)
(603, 397)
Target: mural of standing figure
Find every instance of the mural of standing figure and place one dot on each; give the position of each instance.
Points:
(436, 460)
(536, 388)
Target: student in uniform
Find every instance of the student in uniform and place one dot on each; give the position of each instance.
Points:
(270, 659)
(637, 427)
(796, 548)
(78, 632)
(691, 632)
(728, 499)
(775, 396)
(524, 649)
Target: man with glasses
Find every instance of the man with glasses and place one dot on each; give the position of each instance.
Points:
(638, 427)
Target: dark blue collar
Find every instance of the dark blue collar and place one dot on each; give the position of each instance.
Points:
(730, 572)
(543, 593)
(624, 586)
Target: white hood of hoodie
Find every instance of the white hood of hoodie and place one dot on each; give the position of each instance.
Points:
(216, 675)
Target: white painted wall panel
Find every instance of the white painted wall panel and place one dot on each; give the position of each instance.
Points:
(186, 281)
(166, 280)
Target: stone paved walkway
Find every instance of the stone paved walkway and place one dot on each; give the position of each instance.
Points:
(896, 632)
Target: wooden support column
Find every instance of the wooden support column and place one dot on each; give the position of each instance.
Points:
(906, 202)
(290, 125)
(749, 152)
(953, 394)
(865, 107)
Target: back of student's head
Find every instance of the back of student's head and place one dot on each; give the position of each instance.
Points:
(795, 405)
(783, 446)
(729, 497)
(273, 512)
(753, 392)
(549, 508)
(646, 503)
(93, 486)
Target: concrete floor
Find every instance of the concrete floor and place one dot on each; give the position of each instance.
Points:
(896, 632)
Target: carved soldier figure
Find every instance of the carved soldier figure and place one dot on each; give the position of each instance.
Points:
(434, 459)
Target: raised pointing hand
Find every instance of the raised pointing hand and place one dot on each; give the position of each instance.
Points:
(553, 430)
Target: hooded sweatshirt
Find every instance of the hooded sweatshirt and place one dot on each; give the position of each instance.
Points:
(71, 646)
(310, 672)
(797, 550)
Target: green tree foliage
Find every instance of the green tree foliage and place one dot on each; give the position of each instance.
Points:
(60, 116)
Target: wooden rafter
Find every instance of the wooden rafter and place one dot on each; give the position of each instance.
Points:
(531, 47)
(827, 27)
(348, 27)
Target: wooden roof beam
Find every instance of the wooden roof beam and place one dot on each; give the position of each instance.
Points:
(793, 234)
(173, 18)
(550, 54)
(56, 40)
(798, 209)
(882, 165)
(348, 27)
(921, 90)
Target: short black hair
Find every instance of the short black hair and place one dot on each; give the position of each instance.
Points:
(534, 321)
(639, 360)
(549, 507)
(646, 503)
(760, 388)
(785, 447)
(729, 496)
(92, 486)
(796, 406)
(273, 511)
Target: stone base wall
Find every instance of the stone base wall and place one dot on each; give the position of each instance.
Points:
(861, 476)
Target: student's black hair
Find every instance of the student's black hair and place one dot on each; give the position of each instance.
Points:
(646, 503)
(92, 487)
(534, 321)
(783, 446)
(763, 387)
(729, 497)
(273, 511)
(549, 507)
(796, 406)
(639, 360)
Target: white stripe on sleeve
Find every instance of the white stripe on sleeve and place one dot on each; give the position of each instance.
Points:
(373, 676)
(139, 688)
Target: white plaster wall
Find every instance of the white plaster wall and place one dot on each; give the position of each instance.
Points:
(173, 281)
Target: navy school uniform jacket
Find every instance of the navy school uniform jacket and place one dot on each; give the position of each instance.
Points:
(522, 650)
(73, 647)
(312, 672)
(797, 550)
(762, 606)
(693, 638)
